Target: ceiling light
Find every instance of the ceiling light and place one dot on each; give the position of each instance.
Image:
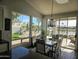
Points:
(51, 20)
(62, 1)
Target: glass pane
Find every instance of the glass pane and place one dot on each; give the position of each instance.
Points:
(49, 29)
(63, 23)
(63, 31)
(52, 32)
(68, 32)
(36, 26)
(20, 27)
(57, 23)
(63, 27)
(71, 32)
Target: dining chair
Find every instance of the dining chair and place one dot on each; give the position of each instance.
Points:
(53, 51)
(57, 49)
(59, 46)
(40, 46)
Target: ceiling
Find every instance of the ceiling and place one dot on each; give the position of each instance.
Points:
(44, 6)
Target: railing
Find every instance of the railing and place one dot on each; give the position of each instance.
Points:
(20, 40)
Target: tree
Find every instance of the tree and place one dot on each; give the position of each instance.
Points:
(15, 18)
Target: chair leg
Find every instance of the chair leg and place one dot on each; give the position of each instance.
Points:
(54, 56)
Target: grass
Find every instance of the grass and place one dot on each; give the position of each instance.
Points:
(15, 36)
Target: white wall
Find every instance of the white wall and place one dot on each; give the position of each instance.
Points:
(6, 35)
(62, 15)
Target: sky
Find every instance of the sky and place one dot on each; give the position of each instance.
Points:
(25, 19)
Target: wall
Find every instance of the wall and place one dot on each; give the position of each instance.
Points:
(1, 18)
(62, 15)
(6, 35)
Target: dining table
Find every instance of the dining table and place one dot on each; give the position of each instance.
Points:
(50, 43)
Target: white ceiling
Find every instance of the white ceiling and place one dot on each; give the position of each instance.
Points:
(44, 6)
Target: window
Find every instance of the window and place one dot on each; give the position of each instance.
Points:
(65, 28)
(20, 27)
(71, 27)
(36, 26)
(52, 30)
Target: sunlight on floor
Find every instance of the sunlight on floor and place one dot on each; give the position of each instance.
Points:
(67, 54)
(66, 50)
(67, 43)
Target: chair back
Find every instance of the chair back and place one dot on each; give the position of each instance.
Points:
(40, 46)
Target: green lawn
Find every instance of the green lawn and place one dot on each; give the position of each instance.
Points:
(15, 36)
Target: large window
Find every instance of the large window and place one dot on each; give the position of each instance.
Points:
(20, 28)
(71, 26)
(65, 28)
(23, 26)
